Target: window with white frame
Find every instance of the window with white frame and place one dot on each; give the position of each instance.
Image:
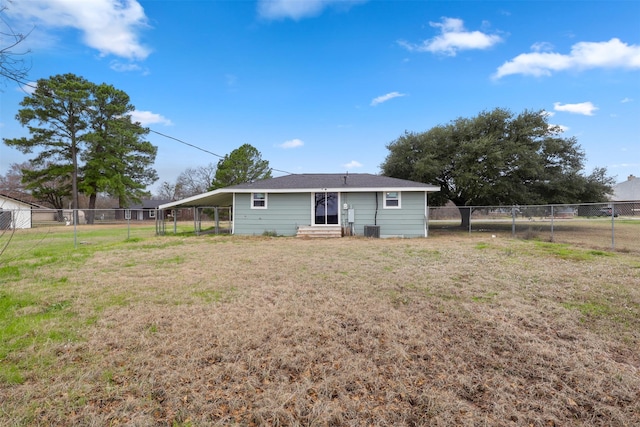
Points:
(258, 200)
(392, 199)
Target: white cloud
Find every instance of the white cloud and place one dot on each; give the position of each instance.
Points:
(122, 67)
(559, 128)
(583, 55)
(353, 164)
(294, 143)
(625, 100)
(584, 108)
(385, 98)
(148, 118)
(453, 38)
(110, 26)
(298, 9)
(29, 88)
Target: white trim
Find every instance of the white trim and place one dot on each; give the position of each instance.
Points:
(313, 209)
(253, 200)
(385, 199)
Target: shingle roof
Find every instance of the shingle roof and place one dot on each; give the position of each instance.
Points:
(357, 182)
(627, 191)
(329, 180)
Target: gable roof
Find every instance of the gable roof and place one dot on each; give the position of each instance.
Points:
(296, 183)
(15, 199)
(627, 191)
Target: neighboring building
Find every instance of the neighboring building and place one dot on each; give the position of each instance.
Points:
(627, 196)
(145, 211)
(15, 213)
(627, 191)
(327, 204)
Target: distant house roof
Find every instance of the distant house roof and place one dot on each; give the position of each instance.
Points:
(149, 204)
(18, 200)
(627, 191)
(295, 183)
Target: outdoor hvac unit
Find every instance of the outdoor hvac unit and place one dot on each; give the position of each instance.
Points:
(371, 231)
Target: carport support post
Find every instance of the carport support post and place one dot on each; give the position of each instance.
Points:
(195, 220)
(216, 218)
(175, 221)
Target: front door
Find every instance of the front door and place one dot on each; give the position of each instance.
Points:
(326, 209)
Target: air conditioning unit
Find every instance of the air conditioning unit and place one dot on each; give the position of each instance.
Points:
(371, 231)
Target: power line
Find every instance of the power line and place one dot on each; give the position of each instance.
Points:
(53, 95)
(202, 149)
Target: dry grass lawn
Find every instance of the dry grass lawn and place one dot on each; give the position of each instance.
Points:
(212, 330)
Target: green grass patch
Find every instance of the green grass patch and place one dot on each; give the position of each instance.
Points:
(589, 308)
(27, 321)
(565, 251)
(488, 297)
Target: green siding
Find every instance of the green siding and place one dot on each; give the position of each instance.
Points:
(408, 221)
(284, 213)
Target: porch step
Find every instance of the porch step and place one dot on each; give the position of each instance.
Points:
(319, 232)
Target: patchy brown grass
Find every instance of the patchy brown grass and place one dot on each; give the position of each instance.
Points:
(462, 330)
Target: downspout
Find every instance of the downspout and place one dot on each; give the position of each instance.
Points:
(375, 217)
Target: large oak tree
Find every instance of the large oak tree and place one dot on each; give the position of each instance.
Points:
(496, 158)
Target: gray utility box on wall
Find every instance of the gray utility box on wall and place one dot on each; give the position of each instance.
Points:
(371, 231)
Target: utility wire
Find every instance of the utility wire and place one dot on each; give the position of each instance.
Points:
(30, 85)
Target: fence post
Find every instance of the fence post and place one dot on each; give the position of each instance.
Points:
(613, 232)
(513, 221)
(75, 215)
(552, 217)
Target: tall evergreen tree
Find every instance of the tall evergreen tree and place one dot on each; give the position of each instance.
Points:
(56, 115)
(117, 159)
(85, 136)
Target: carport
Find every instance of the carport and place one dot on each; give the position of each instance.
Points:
(216, 203)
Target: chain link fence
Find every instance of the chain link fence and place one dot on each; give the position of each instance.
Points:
(598, 225)
(603, 225)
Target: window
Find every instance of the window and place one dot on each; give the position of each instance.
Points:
(152, 213)
(258, 200)
(392, 199)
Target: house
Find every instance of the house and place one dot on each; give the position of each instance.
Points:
(628, 194)
(144, 211)
(322, 204)
(15, 213)
(627, 191)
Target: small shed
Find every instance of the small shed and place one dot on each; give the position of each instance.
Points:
(327, 205)
(15, 213)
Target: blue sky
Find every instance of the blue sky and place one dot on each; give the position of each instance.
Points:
(324, 86)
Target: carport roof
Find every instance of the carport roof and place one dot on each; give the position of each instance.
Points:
(296, 183)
